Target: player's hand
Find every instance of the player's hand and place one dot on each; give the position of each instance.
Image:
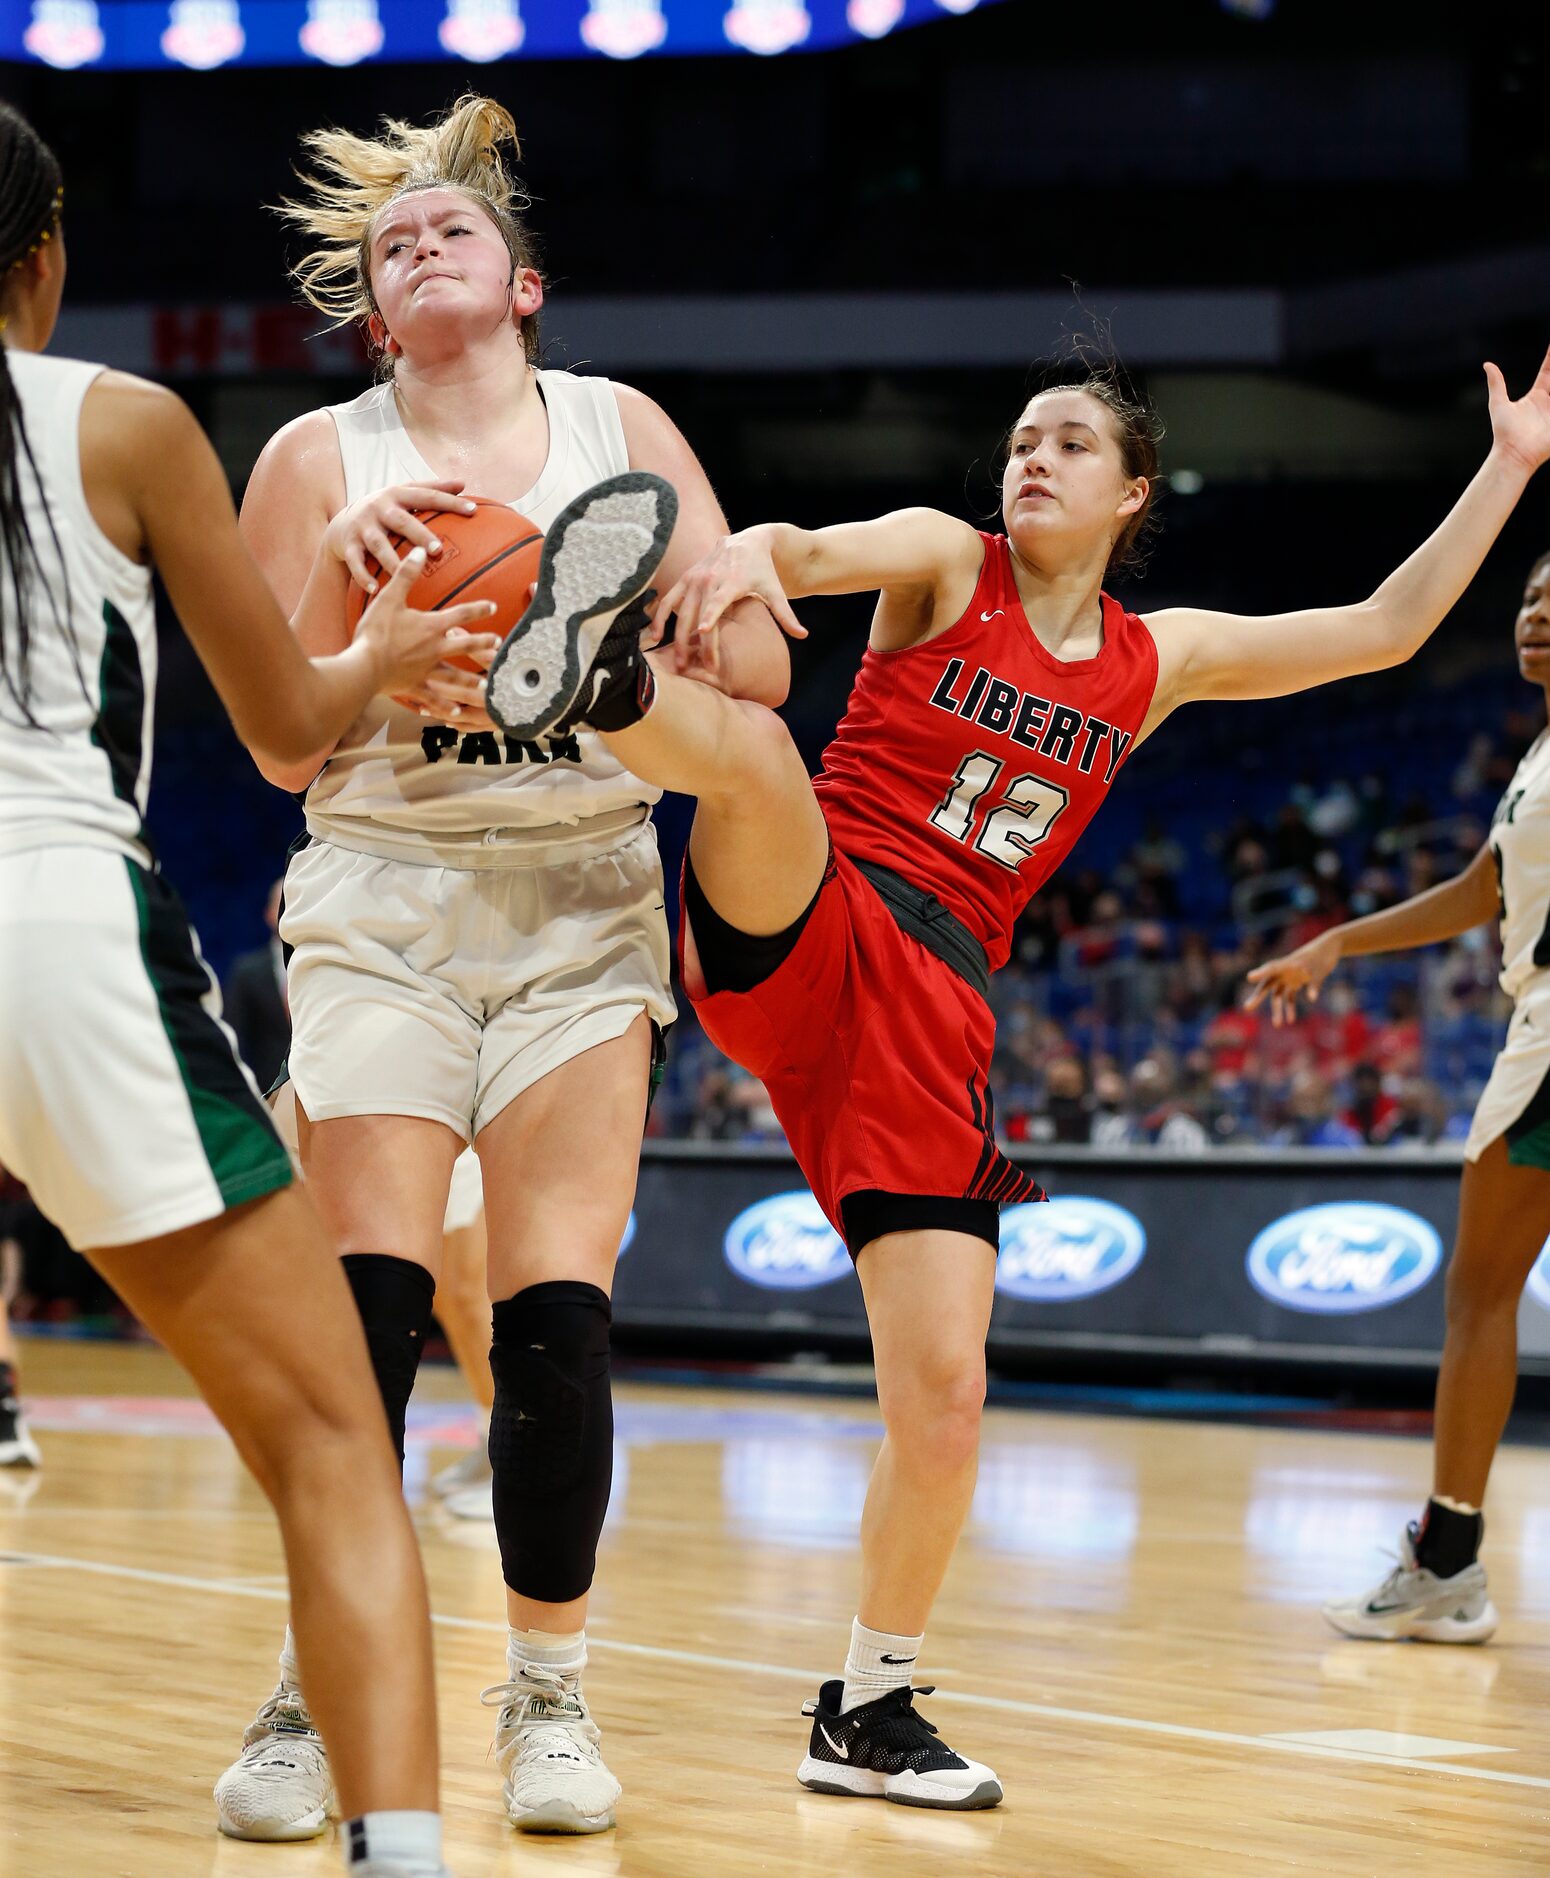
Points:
(449, 695)
(739, 567)
(1520, 427)
(408, 640)
(363, 531)
(1284, 980)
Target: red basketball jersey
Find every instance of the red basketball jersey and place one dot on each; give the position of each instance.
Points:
(971, 763)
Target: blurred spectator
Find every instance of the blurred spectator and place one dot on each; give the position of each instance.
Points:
(1422, 1113)
(255, 999)
(1230, 1039)
(1162, 1118)
(1110, 1122)
(1311, 1121)
(1396, 1046)
(716, 1116)
(1338, 1029)
(1066, 1114)
(1372, 1115)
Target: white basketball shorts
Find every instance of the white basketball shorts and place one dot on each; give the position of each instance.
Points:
(124, 1105)
(1516, 1099)
(445, 992)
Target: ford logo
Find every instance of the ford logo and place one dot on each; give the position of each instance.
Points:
(785, 1244)
(1350, 1256)
(1056, 1250)
(1539, 1279)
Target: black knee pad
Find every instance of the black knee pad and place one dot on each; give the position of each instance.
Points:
(394, 1297)
(551, 1436)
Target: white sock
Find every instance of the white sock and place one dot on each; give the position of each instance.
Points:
(290, 1669)
(564, 1650)
(394, 1845)
(877, 1663)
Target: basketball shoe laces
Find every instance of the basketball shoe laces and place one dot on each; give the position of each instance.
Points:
(899, 1729)
(1407, 1568)
(538, 1711)
(284, 1714)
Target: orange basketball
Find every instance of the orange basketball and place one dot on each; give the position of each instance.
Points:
(489, 555)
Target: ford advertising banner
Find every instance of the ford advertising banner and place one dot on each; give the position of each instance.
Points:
(1318, 1257)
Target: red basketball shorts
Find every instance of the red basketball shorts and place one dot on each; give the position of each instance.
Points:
(876, 1056)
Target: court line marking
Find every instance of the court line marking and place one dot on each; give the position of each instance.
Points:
(1387, 1742)
(1089, 1718)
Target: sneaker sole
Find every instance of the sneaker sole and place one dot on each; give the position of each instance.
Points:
(445, 1488)
(20, 1453)
(1402, 1629)
(861, 1783)
(599, 554)
(309, 1826)
(471, 1504)
(559, 1816)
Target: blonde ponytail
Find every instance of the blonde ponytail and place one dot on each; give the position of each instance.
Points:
(470, 149)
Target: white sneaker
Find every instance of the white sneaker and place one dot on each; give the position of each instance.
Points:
(546, 1745)
(1414, 1602)
(473, 1470)
(473, 1503)
(17, 1447)
(279, 1786)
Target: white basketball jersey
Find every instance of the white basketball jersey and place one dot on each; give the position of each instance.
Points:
(80, 771)
(1520, 840)
(406, 788)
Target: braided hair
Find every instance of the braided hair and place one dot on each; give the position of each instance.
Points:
(31, 197)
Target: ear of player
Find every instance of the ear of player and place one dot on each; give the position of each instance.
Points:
(575, 654)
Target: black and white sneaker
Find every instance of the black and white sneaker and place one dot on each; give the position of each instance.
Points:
(598, 556)
(887, 1750)
(17, 1447)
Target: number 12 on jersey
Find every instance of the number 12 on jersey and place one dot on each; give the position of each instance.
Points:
(1010, 832)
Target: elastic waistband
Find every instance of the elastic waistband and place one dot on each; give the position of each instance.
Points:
(923, 916)
(490, 848)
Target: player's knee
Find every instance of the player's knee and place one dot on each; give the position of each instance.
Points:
(394, 1297)
(1479, 1288)
(551, 1436)
(935, 1410)
(759, 752)
(320, 1450)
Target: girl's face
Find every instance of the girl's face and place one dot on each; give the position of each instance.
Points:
(1531, 632)
(441, 274)
(1064, 492)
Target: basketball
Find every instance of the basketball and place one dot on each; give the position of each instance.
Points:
(489, 555)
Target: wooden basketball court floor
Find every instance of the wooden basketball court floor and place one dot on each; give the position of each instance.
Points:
(1130, 1636)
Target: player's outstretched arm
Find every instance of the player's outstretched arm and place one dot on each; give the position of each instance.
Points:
(912, 553)
(155, 485)
(1225, 655)
(1442, 912)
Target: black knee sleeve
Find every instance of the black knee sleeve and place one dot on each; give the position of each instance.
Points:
(394, 1297)
(551, 1436)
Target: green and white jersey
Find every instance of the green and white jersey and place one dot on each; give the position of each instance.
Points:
(1520, 840)
(80, 772)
